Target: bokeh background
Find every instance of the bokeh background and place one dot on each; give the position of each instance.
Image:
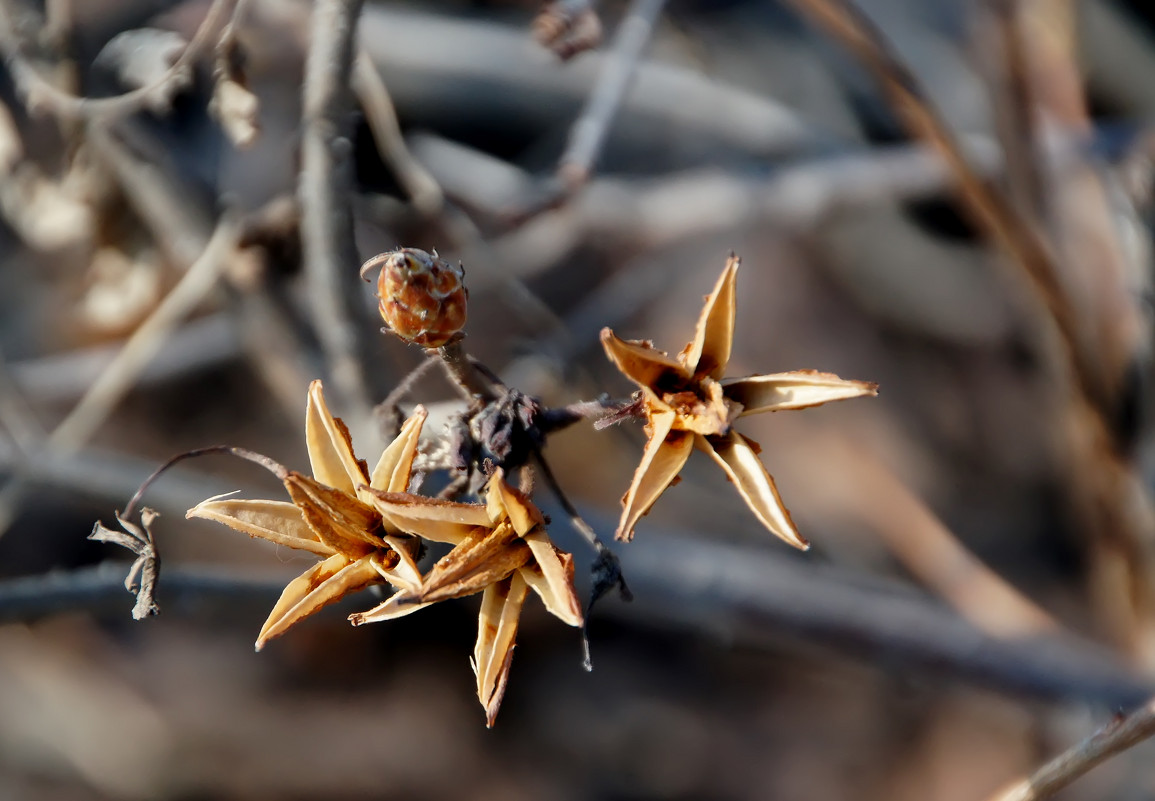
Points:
(977, 597)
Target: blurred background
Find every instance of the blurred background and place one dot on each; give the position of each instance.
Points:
(981, 589)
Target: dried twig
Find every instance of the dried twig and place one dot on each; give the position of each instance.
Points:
(465, 373)
(324, 191)
(1119, 508)
(435, 63)
(741, 594)
(371, 90)
(588, 134)
(100, 399)
(1114, 738)
(145, 571)
(121, 374)
(40, 93)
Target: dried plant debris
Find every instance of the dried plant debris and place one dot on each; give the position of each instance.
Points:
(687, 404)
(143, 575)
(328, 516)
(500, 549)
(371, 527)
(370, 530)
(568, 27)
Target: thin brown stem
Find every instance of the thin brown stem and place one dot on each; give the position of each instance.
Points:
(1114, 738)
(606, 569)
(464, 372)
(274, 467)
(387, 410)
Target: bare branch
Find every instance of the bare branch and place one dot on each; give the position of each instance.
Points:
(40, 93)
(589, 132)
(1114, 738)
(371, 90)
(744, 595)
(121, 374)
(325, 194)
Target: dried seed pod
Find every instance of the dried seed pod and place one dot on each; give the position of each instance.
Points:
(422, 296)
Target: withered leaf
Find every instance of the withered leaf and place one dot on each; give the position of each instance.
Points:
(145, 571)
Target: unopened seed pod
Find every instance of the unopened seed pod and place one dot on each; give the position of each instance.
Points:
(422, 296)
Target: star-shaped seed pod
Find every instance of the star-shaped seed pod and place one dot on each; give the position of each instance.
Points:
(501, 550)
(688, 403)
(328, 515)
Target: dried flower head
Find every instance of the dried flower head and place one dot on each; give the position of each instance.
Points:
(422, 296)
(688, 403)
(329, 515)
(501, 549)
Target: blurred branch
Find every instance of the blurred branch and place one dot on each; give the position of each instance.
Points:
(198, 344)
(1014, 107)
(1118, 509)
(100, 589)
(741, 594)
(382, 118)
(589, 131)
(40, 94)
(1114, 738)
(921, 542)
(325, 192)
(587, 135)
(121, 373)
(650, 214)
(749, 595)
(846, 23)
(112, 478)
(179, 219)
(439, 65)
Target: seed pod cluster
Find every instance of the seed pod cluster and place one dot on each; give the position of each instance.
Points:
(422, 296)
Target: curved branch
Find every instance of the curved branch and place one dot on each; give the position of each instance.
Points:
(1114, 738)
(38, 92)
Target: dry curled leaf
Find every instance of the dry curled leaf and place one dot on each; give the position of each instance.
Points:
(143, 575)
(328, 515)
(687, 404)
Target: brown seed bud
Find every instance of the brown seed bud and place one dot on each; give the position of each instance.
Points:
(422, 296)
